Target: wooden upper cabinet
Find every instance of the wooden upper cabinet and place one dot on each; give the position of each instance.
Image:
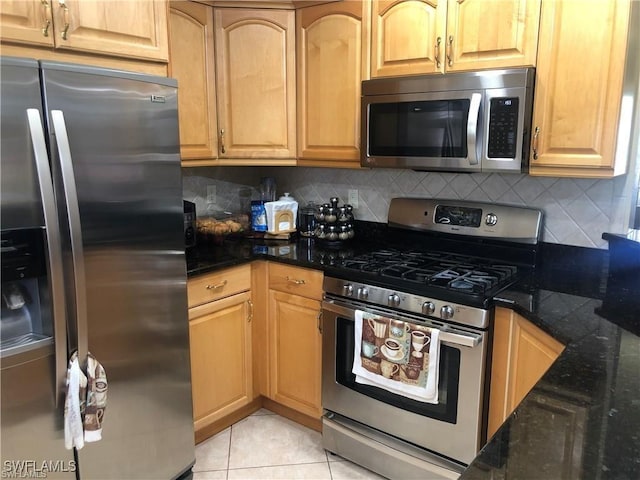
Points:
(428, 36)
(495, 34)
(27, 21)
(191, 62)
(126, 28)
(579, 82)
(134, 29)
(404, 36)
(255, 72)
(333, 53)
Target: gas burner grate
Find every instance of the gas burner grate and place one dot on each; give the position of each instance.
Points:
(453, 272)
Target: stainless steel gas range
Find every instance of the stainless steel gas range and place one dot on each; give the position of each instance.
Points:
(445, 283)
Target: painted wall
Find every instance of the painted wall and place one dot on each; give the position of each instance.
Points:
(576, 211)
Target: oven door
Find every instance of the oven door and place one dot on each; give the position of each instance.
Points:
(453, 428)
(435, 131)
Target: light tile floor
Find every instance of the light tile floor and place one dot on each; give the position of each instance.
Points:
(268, 446)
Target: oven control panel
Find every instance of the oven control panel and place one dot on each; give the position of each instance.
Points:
(384, 297)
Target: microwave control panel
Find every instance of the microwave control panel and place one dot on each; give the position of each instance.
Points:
(503, 126)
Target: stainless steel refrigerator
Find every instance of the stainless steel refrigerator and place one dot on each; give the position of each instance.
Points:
(90, 174)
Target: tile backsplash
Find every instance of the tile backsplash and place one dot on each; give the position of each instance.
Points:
(576, 211)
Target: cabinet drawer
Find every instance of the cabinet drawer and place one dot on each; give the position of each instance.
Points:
(295, 280)
(212, 286)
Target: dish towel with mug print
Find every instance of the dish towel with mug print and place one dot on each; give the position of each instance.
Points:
(85, 402)
(400, 357)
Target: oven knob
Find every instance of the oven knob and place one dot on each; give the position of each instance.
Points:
(363, 293)
(446, 312)
(394, 300)
(348, 290)
(428, 308)
(491, 219)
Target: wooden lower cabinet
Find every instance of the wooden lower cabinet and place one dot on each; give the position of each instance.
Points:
(220, 334)
(296, 356)
(295, 338)
(522, 353)
(560, 454)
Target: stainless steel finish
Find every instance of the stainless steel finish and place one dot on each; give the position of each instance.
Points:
(484, 79)
(393, 300)
(21, 206)
(59, 133)
(488, 84)
(465, 315)
(452, 334)
(428, 308)
(382, 453)
(446, 312)
(33, 368)
(491, 219)
(126, 167)
(123, 147)
(472, 128)
(514, 224)
(54, 249)
(460, 441)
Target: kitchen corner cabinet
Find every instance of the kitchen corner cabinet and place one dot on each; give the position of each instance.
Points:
(255, 78)
(131, 29)
(579, 84)
(220, 315)
(333, 59)
(191, 62)
(419, 36)
(522, 353)
(295, 338)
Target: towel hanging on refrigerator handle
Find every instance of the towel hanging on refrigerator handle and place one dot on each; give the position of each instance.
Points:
(85, 402)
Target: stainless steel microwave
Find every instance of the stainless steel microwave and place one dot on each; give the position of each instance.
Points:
(458, 122)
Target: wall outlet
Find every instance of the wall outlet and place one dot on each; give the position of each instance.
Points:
(211, 194)
(353, 198)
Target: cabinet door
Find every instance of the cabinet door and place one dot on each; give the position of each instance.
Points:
(255, 71)
(26, 21)
(407, 37)
(333, 53)
(295, 361)
(220, 336)
(522, 353)
(122, 27)
(495, 34)
(554, 437)
(191, 62)
(579, 80)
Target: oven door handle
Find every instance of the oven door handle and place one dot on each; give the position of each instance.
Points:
(448, 334)
(466, 340)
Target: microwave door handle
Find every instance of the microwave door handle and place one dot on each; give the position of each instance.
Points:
(73, 211)
(54, 249)
(472, 128)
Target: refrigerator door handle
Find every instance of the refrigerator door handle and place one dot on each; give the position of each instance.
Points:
(54, 248)
(73, 212)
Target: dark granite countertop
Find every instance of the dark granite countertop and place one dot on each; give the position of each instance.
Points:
(582, 419)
